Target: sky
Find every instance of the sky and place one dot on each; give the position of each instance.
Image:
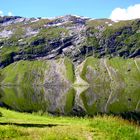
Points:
(114, 9)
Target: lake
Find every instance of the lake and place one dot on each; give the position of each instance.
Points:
(80, 101)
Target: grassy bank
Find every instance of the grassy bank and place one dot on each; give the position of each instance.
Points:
(15, 125)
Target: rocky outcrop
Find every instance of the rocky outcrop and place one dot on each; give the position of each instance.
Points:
(67, 36)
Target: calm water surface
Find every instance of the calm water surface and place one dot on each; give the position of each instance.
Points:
(71, 101)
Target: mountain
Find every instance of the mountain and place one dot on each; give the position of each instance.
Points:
(69, 36)
(96, 61)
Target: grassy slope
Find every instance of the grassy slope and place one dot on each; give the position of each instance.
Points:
(94, 70)
(34, 72)
(24, 72)
(116, 69)
(69, 70)
(14, 125)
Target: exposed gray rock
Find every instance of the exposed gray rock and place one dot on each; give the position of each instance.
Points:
(6, 33)
(31, 32)
(71, 36)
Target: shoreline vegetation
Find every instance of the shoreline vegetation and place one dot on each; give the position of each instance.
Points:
(16, 125)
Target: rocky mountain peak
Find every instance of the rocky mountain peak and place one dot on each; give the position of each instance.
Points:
(70, 36)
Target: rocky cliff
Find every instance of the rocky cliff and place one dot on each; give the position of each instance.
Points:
(67, 36)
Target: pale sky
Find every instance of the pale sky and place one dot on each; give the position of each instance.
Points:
(115, 9)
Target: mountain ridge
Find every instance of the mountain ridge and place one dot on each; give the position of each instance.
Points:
(75, 37)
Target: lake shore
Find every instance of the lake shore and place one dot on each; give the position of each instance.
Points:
(16, 125)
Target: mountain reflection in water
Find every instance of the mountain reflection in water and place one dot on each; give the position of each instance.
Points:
(79, 101)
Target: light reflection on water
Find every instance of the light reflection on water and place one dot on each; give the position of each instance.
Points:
(71, 101)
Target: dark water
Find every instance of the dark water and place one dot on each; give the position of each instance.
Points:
(72, 101)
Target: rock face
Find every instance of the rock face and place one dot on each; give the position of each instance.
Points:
(67, 36)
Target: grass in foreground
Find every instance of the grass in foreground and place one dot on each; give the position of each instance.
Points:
(15, 125)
